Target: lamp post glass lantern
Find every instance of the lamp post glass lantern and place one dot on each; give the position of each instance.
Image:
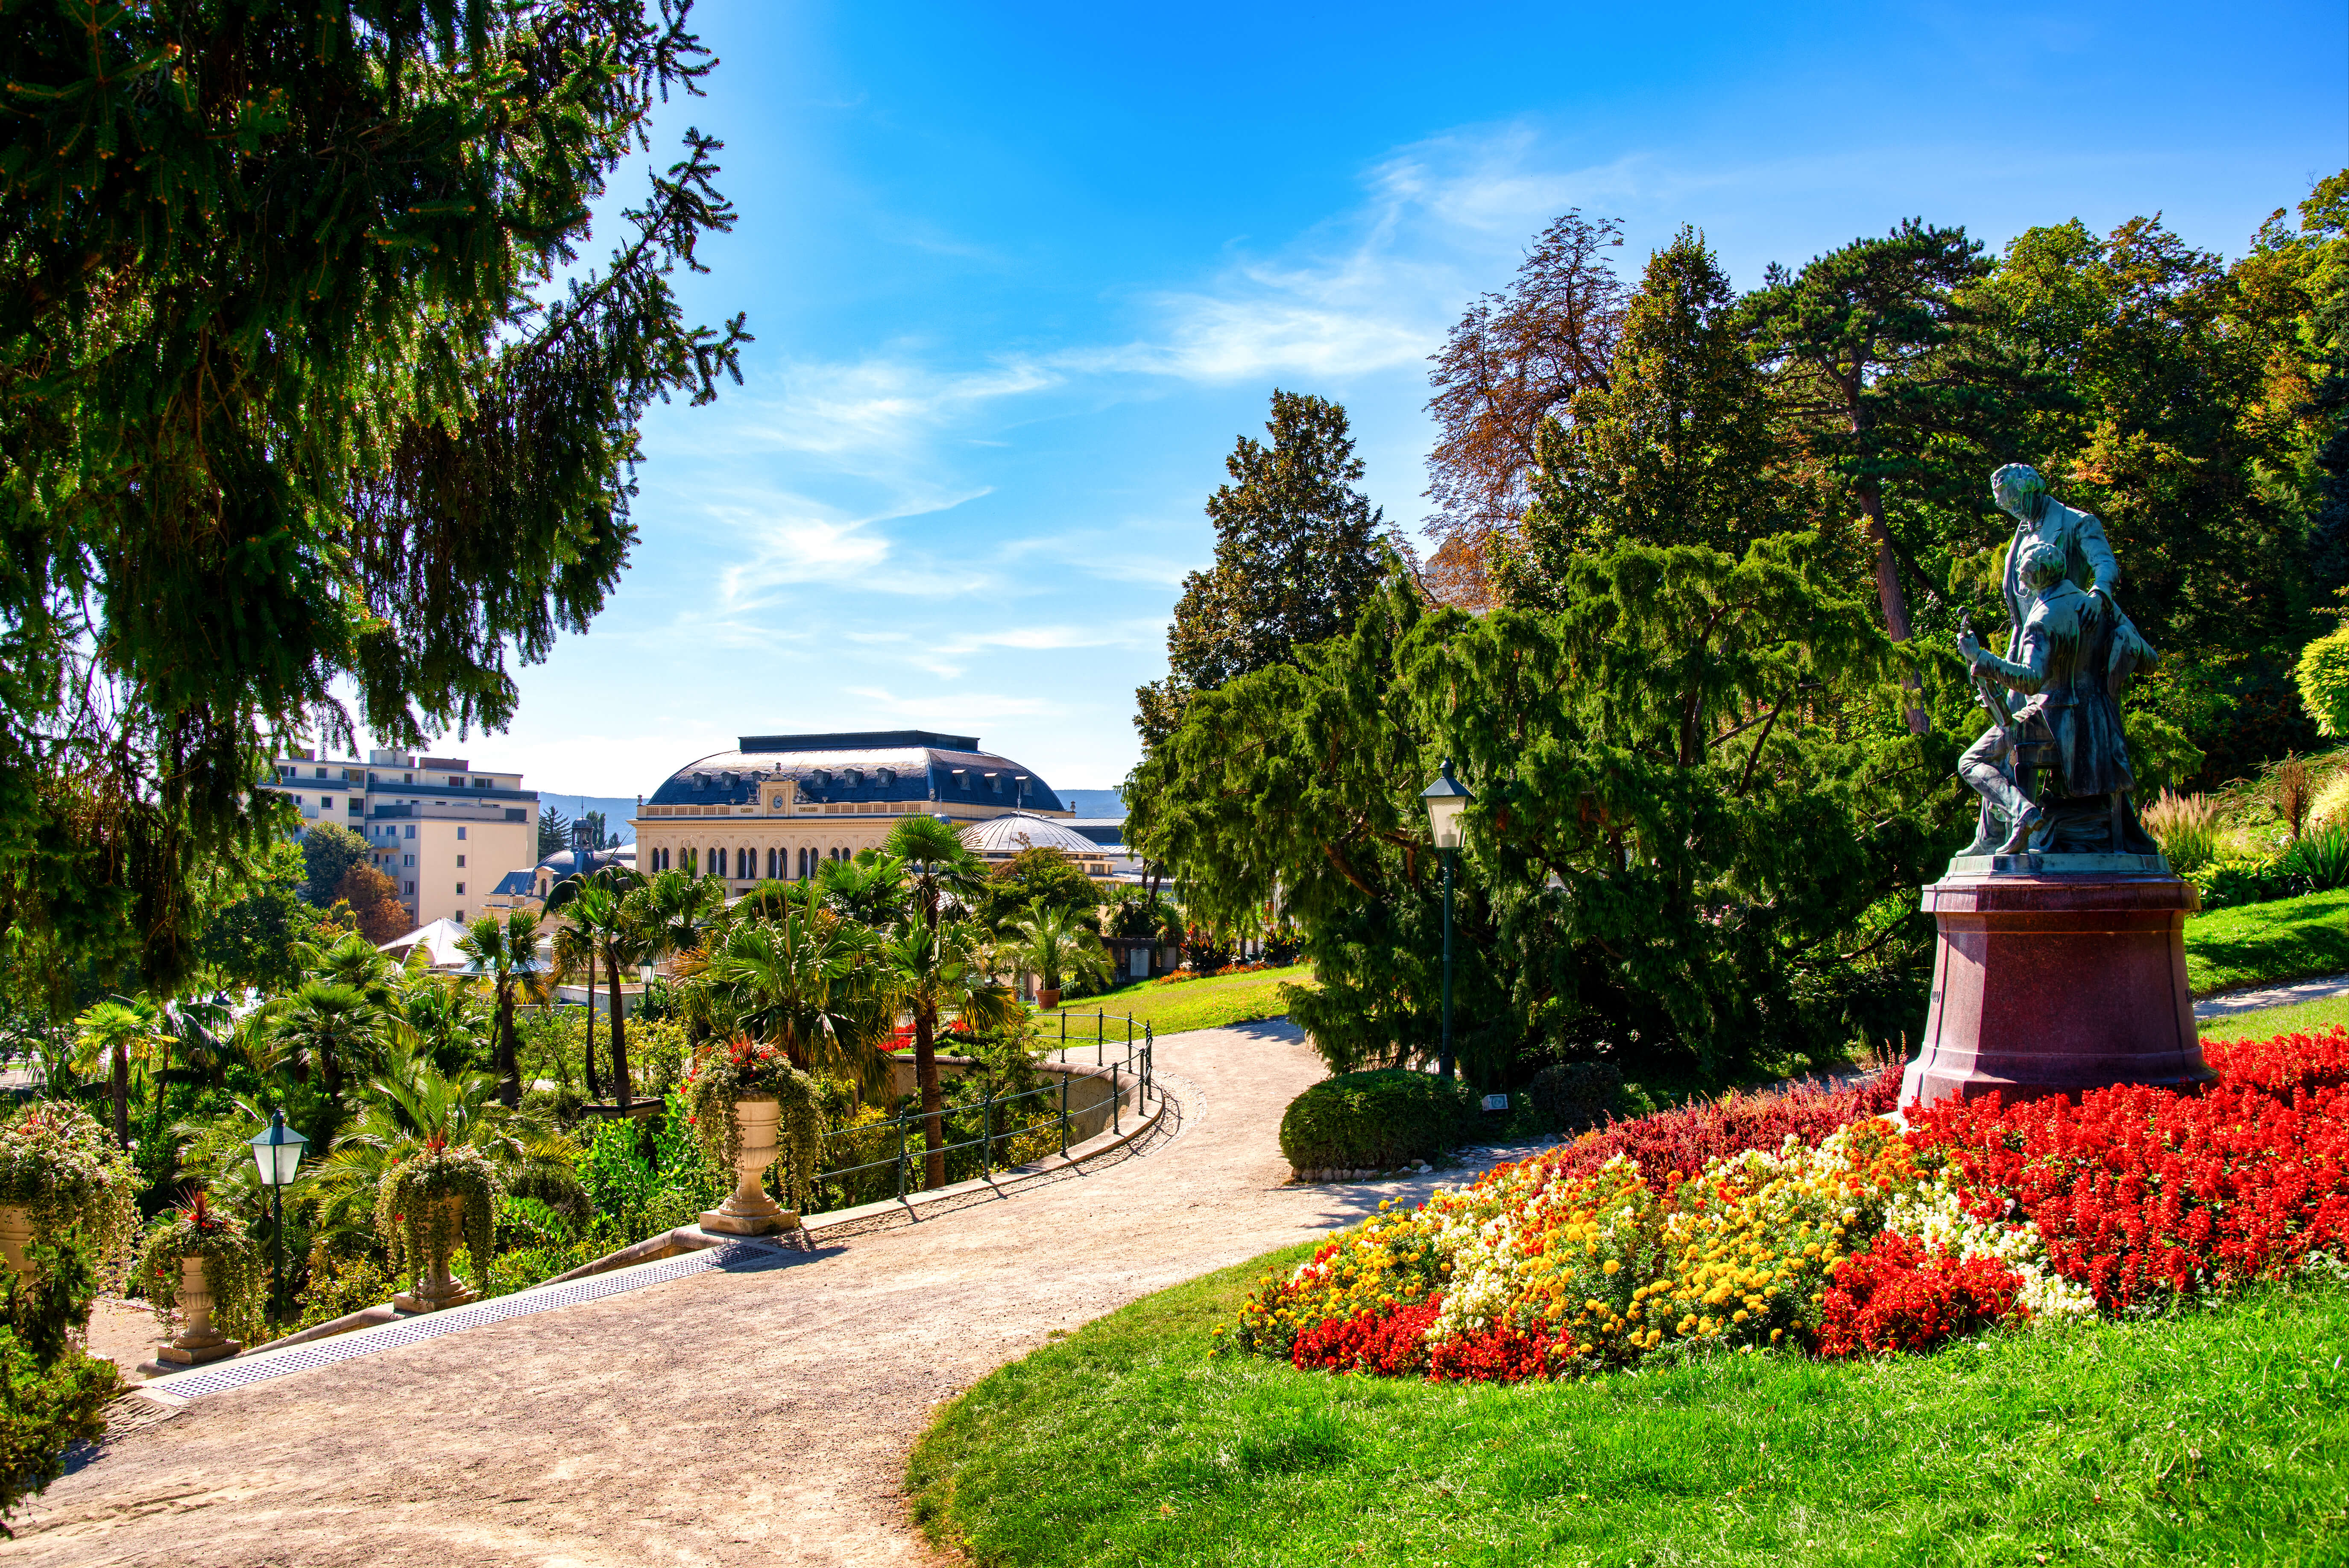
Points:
(1446, 798)
(277, 1155)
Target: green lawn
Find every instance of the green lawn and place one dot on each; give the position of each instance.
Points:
(1209, 1003)
(2291, 939)
(2219, 1435)
(2302, 1018)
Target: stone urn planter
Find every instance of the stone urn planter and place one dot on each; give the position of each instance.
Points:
(59, 1171)
(442, 1287)
(197, 1341)
(16, 1235)
(201, 1270)
(747, 1211)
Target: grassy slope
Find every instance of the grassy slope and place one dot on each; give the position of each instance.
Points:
(1208, 1004)
(2219, 1435)
(2291, 939)
(2302, 1018)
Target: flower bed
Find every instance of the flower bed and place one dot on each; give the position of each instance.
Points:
(1812, 1221)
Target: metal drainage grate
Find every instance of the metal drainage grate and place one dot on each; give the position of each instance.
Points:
(734, 1258)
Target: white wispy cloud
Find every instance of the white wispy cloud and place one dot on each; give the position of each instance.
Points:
(875, 408)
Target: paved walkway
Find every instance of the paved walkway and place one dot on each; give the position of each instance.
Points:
(752, 1417)
(2228, 1003)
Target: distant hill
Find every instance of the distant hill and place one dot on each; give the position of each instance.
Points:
(1093, 801)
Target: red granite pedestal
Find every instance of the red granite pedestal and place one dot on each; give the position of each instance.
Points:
(2053, 982)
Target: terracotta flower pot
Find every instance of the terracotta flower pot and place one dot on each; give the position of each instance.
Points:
(1047, 1000)
(197, 1342)
(441, 1288)
(747, 1211)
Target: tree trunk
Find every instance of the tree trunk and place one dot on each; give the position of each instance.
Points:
(122, 1095)
(595, 1089)
(1890, 594)
(619, 1037)
(934, 1102)
(509, 1057)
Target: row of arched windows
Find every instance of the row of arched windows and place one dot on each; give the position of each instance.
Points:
(781, 865)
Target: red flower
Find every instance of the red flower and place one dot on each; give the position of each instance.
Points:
(2142, 1192)
(1901, 1295)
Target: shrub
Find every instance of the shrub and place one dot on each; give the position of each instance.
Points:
(1376, 1120)
(58, 1163)
(52, 1395)
(338, 1286)
(647, 1179)
(1571, 1096)
(2231, 881)
(2322, 677)
(2318, 861)
(2187, 828)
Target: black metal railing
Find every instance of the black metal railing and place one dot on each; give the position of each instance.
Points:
(997, 1132)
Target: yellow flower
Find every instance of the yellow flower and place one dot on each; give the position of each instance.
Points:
(1611, 1267)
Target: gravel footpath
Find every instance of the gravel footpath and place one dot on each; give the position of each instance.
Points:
(755, 1418)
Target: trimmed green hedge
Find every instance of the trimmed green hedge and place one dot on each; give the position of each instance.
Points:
(1376, 1121)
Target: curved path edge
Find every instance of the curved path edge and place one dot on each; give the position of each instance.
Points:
(725, 1417)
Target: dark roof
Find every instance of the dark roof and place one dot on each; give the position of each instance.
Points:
(849, 767)
(857, 741)
(515, 884)
(1106, 831)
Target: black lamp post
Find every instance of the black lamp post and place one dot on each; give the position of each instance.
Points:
(1446, 798)
(277, 1154)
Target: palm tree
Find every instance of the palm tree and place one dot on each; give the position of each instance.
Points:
(943, 870)
(869, 889)
(597, 908)
(816, 984)
(673, 908)
(329, 1028)
(939, 975)
(351, 959)
(108, 1037)
(505, 954)
(1054, 943)
(575, 953)
(412, 1103)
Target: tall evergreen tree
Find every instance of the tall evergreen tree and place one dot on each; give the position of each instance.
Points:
(289, 403)
(1865, 344)
(1680, 447)
(1296, 553)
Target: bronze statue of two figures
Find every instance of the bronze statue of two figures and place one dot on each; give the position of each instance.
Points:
(2053, 770)
(2061, 963)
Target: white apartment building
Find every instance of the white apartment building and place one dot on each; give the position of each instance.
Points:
(443, 831)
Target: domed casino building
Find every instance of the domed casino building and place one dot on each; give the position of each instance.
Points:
(780, 805)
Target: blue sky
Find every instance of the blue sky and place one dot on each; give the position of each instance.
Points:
(1020, 273)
